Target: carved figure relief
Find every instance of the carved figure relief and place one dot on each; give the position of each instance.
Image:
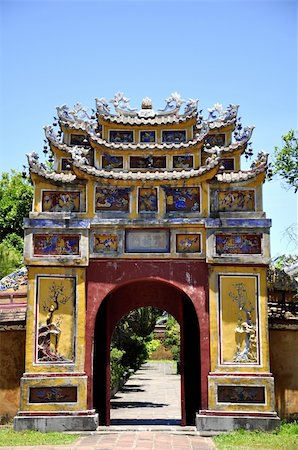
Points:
(239, 334)
(148, 162)
(147, 200)
(183, 162)
(78, 139)
(238, 244)
(216, 140)
(55, 244)
(183, 199)
(111, 199)
(241, 200)
(227, 163)
(112, 162)
(105, 243)
(56, 305)
(188, 243)
(66, 164)
(121, 136)
(147, 136)
(63, 201)
(174, 136)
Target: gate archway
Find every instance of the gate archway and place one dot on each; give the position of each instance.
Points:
(119, 303)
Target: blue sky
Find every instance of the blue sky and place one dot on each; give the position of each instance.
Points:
(244, 52)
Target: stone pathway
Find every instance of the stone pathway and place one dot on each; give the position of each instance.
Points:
(150, 397)
(145, 415)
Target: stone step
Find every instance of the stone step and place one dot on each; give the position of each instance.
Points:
(153, 428)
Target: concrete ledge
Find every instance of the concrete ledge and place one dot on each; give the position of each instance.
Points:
(205, 423)
(56, 423)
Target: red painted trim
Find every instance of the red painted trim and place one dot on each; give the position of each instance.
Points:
(242, 374)
(236, 413)
(57, 413)
(54, 375)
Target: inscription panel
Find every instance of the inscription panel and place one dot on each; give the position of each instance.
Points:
(147, 241)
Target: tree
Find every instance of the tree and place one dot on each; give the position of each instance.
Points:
(285, 162)
(16, 196)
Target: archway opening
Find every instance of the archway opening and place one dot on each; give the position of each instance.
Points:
(145, 383)
(166, 297)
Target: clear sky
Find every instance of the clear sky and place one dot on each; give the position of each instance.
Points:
(243, 52)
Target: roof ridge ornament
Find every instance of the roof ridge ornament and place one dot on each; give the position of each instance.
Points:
(218, 113)
(173, 104)
(122, 106)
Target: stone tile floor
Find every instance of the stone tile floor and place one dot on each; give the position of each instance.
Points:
(145, 415)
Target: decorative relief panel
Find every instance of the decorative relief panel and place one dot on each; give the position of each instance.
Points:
(53, 394)
(238, 244)
(174, 136)
(241, 200)
(66, 164)
(61, 201)
(183, 162)
(238, 309)
(147, 136)
(216, 140)
(147, 200)
(112, 162)
(105, 243)
(188, 243)
(183, 199)
(111, 199)
(148, 162)
(56, 244)
(227, 163)
(147, 241)
(56, 298)
(121, 136)
(240, 394)
(78, 139)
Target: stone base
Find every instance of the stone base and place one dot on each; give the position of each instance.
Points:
(222, 423)
(56, 423)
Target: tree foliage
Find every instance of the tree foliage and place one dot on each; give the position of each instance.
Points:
(285, 162)
(15, 203)
(129, 346)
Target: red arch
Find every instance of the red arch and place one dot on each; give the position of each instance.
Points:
(111, 278)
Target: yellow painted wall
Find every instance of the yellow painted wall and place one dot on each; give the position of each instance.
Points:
(284, 367)
(12, 358)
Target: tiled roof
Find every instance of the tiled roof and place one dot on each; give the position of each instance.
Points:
(162, 175)
(156, 120)
(40, 169)
(14, 281)
(148, 146)
(259, 166)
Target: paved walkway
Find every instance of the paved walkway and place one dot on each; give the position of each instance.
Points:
(145, 415)
(150, 397)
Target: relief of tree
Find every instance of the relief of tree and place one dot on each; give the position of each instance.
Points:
(245, 332)
(49, 332)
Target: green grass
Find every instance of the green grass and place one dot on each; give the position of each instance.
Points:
(8, 437)
(285, 439)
